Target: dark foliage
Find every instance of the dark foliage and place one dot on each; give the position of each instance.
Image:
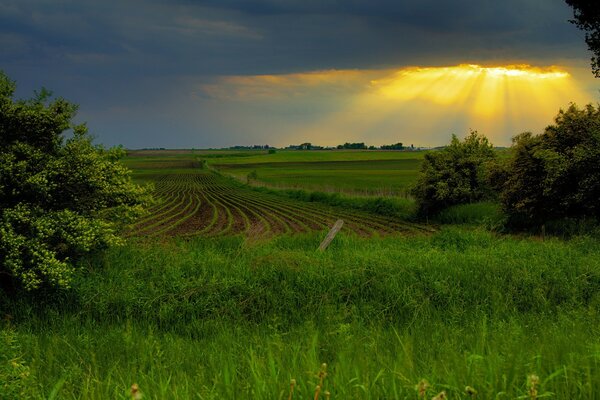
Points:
(587, 18)
(554, 175)
(59, 199)
(454, 175)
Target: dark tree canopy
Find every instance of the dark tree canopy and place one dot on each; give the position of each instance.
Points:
(587, 18)
(555, 175)
(454, 175)
(59, 198)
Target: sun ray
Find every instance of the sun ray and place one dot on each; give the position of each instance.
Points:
(384, 105)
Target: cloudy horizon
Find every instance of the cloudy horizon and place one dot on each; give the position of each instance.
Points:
(208, 73)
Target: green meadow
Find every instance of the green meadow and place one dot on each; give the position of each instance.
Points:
(352, 172)
(379, 173)
(227, 318)
(451, 307)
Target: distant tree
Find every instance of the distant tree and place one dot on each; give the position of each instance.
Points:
(59, 199)
(396, 146)
(587, 18)
(556, 174)
(454, 175)
(354, 146)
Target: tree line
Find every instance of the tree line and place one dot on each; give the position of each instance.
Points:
(547, 177)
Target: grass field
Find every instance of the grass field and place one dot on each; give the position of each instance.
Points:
(221, 318)
(375, 177)
(380, 173)
(191, 308)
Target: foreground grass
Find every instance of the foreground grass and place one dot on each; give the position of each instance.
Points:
(228, 318)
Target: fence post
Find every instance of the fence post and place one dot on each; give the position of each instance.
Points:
(336, 228)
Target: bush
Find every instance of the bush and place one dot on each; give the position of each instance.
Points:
(454, 175)
(555, 175)
(59, 199)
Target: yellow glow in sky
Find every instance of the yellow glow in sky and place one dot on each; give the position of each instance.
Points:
(380, 106)
(483, 90)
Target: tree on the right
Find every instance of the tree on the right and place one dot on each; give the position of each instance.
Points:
(554, 175)
(586, 16)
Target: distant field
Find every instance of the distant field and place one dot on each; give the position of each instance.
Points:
(374, 177)
(366, 172)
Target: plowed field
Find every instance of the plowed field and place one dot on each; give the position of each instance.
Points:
(193, 201)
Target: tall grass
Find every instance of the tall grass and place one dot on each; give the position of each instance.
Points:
(400, 207)
(225, 318)
(485, 213)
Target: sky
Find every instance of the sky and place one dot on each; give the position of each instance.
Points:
(219, 73)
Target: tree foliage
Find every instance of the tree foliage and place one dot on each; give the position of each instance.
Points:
(587, 18)
(556, 174)
(59, 198)
(454, 175)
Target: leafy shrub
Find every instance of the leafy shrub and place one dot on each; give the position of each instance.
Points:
(454, 175)
(59, 199)
(554, 175)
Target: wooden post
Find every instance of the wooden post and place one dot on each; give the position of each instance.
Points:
(543, 231)
(336, 228)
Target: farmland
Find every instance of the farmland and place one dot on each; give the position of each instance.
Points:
(379, 173)
(364, 173)
(194, 201)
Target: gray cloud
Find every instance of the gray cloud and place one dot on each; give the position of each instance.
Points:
(115, 54)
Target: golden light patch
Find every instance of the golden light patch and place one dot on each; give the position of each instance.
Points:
(486, 87)
(386, 105)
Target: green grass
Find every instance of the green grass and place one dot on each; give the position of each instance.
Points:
(481, 213)
(233, 318)
(320, 156)
(226, 318)
(383, 173)
(377, 177)
(398, 207)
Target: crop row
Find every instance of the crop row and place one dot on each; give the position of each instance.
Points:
(203, 203)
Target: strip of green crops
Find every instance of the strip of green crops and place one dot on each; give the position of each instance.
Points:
(374, 177)
(225, 318)
(185, 198)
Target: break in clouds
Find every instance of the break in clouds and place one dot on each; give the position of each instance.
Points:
(193, 73)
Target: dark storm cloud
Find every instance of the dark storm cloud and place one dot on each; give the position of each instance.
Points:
(226, 36)
(115, 54)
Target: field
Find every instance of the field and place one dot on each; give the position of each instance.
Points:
(195, 201)
(223, 318)
(193, 307)
(373, 173)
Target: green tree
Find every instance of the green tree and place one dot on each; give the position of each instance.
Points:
(556, 174)
(454, 175)
(587, 18)
(60, 199)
